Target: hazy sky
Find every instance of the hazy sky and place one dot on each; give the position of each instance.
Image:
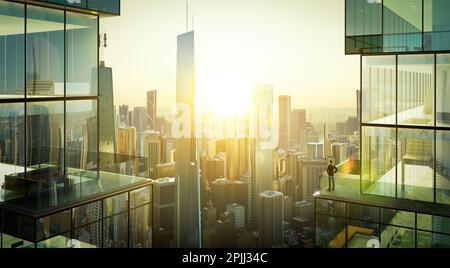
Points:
(296, 45)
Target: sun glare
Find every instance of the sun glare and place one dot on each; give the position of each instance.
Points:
(226, 95)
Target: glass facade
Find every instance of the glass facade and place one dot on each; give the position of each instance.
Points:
(12, 56)
(379, 81)
(48, 96)
(365, 226)
(397, 26)
(404, 130)
(54, 193)
(104, 7)
(104, 223)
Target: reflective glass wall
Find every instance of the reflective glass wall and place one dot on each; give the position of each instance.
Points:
(121, 221)
(404, 126)
(48, 96)
(376, 26)
(350, 225)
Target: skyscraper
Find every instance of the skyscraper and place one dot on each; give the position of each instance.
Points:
(139, 119)
(310, 171)
(314, 150)
(152, 151)
(50, 106)
(107, 128)
(298, 122)
(271, 219)
(284, 103)
(339, 152)
(186, 154)
(215, 168)
(164, 208)
(124, 116)
(151, 109)
(127, 141)
(263, 159)
(140, 123)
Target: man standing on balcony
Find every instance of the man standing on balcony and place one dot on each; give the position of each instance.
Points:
(331, 170)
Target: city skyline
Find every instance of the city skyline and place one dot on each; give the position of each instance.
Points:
(90, 158)
(233, 51)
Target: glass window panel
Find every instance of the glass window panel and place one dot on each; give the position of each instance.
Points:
(140, 197)
(53, 225)
(109, 6)
(436, 25)
(365, 213)
(45, 138)
(362, 234)
(397, 237)
(45, 52)
(443, 167)
(81, 135)
(433, 223)
(330, 207)
(115, 205)
(416, 90)
(89, 236)
(416, 164)
(363, 17)
(443, 90)
(141, 227)
(19, 226)
(115, 231)
(14, 242)
(87, 214)
(330, 232)
(82, 52)
(378, 94)
(60, 241)
(12, 154)
(363, 26)
(397, 217)
(378, 161)
(12, 59)
(432, 240)
(402, 25)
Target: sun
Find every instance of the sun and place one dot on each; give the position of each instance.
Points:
(226, 94)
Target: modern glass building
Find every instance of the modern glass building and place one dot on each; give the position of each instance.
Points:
(400, 195)
(54, 192)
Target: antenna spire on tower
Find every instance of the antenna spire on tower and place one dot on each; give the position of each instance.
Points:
(187, 14)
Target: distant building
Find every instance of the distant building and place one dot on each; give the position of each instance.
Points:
(164, 205)
(270, 218)
(127, 141)
(151, 110)
(187, 170)
(166, 170)
(284, 103)
(215, 168)
(315, 150)
(107, 123)
(152, 151)
(123, 116)
(238, 214)
(287, 186)
(298, 122)
(263, 172)
(310, 171)
(339, 152)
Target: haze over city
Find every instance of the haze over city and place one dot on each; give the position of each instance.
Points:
(239, 43)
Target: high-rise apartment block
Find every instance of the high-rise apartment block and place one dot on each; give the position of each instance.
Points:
(401, 199)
